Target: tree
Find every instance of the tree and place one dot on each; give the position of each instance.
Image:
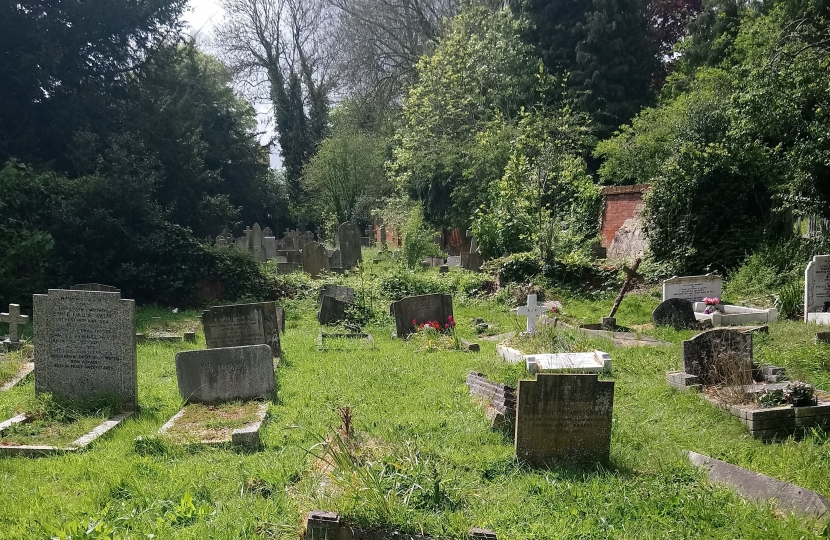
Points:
(278, 42)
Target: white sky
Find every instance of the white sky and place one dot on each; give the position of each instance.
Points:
(201, 16)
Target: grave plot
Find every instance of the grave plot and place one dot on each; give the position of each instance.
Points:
(15, 367)
(85, 359)
(704, 293)
(224, 389)
(344, 341)
(719, 363)
(320, 525)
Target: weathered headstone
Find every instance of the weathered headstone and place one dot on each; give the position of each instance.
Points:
(693, 288)
(258, 244)
(15, 320)
(331, 310)
(94, 287)
(564, 419)
(454, 261)
(717, 355)
(473, 242)
(678, 313)
(817, 290)
(315, 259)
(270, 244)
(472, 261)
(281, 319)
(242, 324)
(420, 309)
(531, 311)
(383, 237)
(85, 346)
(334, 259)
(225, 374)
(348, 236)
(340, 292)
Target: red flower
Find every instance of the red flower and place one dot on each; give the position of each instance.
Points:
(414, 322)
(446, 326)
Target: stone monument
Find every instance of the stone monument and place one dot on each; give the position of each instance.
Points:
(225, 374)
(693, 288)
(348, 236)
(315, 259)
(817, 290)
(412, 311)
(242, 324)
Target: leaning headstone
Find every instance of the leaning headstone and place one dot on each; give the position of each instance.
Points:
(331, 310)
(225, 374)
(817, 290)
(718, 354)
(85, 346)
(242, 324)
(315, 259)
(344, 294)
(94, 287)
(420, 309)
(334, 259)
(561, 419)
(15, 321)
(348, 236)
(678, 313)
(693, 288)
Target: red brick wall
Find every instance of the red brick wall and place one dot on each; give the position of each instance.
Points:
(621, 203)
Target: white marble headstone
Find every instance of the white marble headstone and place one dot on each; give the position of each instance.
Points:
(587, 362)
(693, 288)
(817, 290)
(85, 345)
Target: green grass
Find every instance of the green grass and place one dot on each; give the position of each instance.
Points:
(426, 458)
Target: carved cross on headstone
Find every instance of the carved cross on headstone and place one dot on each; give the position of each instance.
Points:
(531, 311)
(14, 318)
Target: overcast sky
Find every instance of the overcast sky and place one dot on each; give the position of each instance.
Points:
(201, 16)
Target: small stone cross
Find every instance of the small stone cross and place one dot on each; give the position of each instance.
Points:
(318, 232)
(14, 318)
(531, 311)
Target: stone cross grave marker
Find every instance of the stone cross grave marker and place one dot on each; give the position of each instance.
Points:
(15, 319)
(693, 288)
(420, 309)
(85, 345)
(242, 324)
(564, 419)
(817, 290)
(225, 374)
(531, 311)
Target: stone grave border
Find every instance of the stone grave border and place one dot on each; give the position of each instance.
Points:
(367, 340)
(320, 525)
(246, 436)
(42, 450)
(515, 356)
(498, 399)
(25, 370)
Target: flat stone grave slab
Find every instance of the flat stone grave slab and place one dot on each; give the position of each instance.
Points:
(759, 487)
(727, 315)
(225, 374)
(586, 362)
(693, 288)
(238, 424)
(237, 325)
(564, 419)
(411, 311)
(344, 341)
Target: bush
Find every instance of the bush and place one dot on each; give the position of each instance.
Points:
(516, 268)
(418, 240)
(401, 283)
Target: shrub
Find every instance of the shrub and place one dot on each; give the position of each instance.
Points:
(418, 239)
(515, 268)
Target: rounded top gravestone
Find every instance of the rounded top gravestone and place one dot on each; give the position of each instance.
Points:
(678, 313)
(315, 259)
(350, 248)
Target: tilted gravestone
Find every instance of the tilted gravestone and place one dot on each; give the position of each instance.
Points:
(678, 313)
(334, 259)
(412, 311)
(85, 346)
(348, 236)
(717, 355)
(344, 294)
(564, 419)
(225, 374)
(242, 324)
(331, 310)
(817, 290)
(693, 288)
(94, 287)
(315, 259)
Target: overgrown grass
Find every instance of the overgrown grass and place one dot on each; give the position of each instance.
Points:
(426, 448)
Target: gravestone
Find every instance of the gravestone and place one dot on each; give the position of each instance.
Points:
(473, 242)
(472, 261)
(15, 321)
(531, 311)
(258, 244)
(705, 354)
(383, 237)
(242, 324)
(94, 287)
(678, 313)
(817, 290)
(561, 419)
(348, 237)
(454, 261)
(281, 319)
(334, 259)
(85, 346)
(331, 310)
(225, 374)
(344, 294)
(270, 244)
(420, 309)
(315, 259)
(267, 232)
(693, 288)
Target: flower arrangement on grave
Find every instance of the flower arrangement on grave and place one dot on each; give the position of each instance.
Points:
(771, 398)
(799, 393)
(435, 336)
(711, 305)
